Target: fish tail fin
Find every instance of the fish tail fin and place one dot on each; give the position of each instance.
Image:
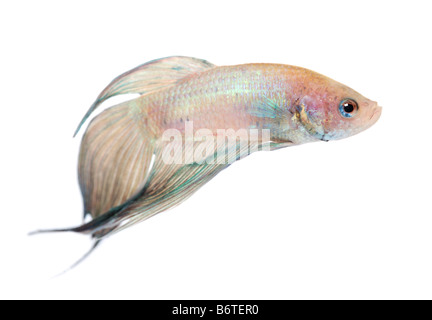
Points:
(32, 233)
(115, 157)
(78, 229)
(119, 145)
(96, 243)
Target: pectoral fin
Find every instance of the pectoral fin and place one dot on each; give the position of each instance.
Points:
(268, 108)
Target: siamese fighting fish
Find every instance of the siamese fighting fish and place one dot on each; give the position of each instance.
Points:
(189, 120)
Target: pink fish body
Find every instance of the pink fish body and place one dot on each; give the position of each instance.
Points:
(149, 154)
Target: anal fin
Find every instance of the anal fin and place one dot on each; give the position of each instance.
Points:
(167, 186)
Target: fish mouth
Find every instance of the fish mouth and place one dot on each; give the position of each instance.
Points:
(375, 115)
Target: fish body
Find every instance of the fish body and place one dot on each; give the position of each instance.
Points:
(229, 96)
(222, 97)
(124, 173)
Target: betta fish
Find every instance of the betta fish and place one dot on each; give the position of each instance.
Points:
(191, 120)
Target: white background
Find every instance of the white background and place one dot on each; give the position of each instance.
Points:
(347, 219)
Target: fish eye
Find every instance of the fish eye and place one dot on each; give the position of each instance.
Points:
(348, 108)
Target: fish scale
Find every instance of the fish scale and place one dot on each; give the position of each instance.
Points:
(212, 98)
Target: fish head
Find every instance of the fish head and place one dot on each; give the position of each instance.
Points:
(330, 110)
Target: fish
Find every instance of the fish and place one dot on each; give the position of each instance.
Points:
(193, 119)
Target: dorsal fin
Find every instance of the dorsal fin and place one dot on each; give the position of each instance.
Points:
(151, 76)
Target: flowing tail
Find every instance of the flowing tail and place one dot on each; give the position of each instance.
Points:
(115, 162)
